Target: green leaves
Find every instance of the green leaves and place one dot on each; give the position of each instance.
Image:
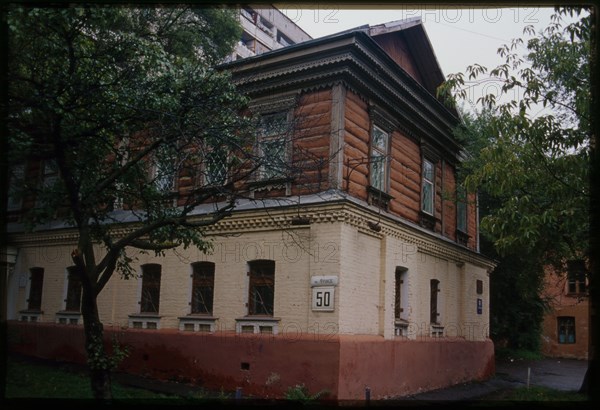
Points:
(123, 100)
(532, 166)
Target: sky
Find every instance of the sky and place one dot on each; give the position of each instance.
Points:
(459, 37)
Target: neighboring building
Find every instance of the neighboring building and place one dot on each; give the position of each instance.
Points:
(565, 331)
(363, 271)
(265, 28)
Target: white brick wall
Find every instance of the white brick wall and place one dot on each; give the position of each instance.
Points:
(364, 263)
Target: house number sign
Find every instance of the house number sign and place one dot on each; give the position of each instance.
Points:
(323, 292)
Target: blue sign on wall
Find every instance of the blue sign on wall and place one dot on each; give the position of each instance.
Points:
(479, 306)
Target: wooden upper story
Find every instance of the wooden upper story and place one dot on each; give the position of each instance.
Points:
(354, 112)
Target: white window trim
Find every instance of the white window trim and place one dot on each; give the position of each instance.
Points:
(257, 323)
(385, 155)
(144, 318)
(424, 180)
(261, 138)
(196, 321)
(67, 317)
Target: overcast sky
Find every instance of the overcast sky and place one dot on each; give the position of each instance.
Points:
(460, 37)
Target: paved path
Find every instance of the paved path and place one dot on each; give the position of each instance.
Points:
(560, 374)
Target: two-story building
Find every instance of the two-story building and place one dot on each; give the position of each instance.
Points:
(362, 271)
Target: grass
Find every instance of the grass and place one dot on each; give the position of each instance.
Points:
(30, 380)
(535, 393)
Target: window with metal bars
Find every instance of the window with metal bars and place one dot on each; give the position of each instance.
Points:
(73, 300)
(203, 282)
(36, 281)
(262, 287)
(150, 288)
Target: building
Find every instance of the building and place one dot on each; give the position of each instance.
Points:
(565, 329)
(362, 272)
(264, 29)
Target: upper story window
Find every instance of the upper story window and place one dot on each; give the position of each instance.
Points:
(203, 284)
(273, 149)
(427, 186)
(150, 298)
(73, 296)
(379, 159)
(576, 277)
(261, 287)
(164, 169)
(215, 166)
(15, 188)
(461, 209)
(36, 282)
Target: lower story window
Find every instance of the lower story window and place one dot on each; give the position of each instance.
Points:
(566, 329)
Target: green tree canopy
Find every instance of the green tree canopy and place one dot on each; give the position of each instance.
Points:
(114, 103)
(529, 146)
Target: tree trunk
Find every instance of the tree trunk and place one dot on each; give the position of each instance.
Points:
(98, 361)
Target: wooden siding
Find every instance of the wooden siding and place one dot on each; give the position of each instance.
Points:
(405, 177)
(310, 152)
(449, 218)
(356, 146)
(397, 48)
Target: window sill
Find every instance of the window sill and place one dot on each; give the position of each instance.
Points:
(30, 315)
(257, 325)
(196, 322)
(401, 327)
(378, 198)
(68, 317)
(462, 237)
(271, 183)
(437, 330)
(427, 220)
(144, 321)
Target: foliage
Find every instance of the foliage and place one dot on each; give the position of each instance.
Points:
(301, 394)
(99, 359)
(36, 380)
(112, 103)
(529, 159)
(534, 164)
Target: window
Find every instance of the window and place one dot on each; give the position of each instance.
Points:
(379, 155)
(50, 173)
(215, 166)
(15, 188)
(73, 300)
(150, 288)
(461, 210)
(435, 288)
(398, 306)
(479, 286)
(203, 282)
(566, 329)
(272, 145)
(36, 281)
(576, 276)
(262, 287)
(427, 187)
(164, 169)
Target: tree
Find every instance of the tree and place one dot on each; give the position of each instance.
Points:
(116, 103)
(531, 145)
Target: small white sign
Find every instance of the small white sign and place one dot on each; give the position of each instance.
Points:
(323, 281)
(322, 298)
